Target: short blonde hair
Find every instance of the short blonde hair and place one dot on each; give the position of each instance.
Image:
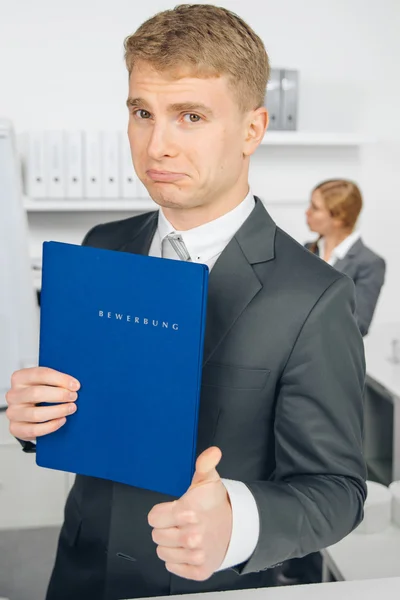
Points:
(343, 200)
(205, 41)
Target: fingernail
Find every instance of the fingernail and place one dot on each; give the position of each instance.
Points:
(74, 384)
(72, 395)
(72, 408)
(63, 421)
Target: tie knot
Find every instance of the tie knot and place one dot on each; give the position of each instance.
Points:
(174, 242)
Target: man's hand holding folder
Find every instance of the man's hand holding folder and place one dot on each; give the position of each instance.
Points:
(33, 386)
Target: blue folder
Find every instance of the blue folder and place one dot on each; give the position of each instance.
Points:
(130, 328)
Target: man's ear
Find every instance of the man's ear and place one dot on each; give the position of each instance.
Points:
(256, 126)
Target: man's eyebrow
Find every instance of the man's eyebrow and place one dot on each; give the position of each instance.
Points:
(176, 107)
(136, 102)
(191, 107)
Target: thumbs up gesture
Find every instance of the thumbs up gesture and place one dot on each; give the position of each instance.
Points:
(193, 533)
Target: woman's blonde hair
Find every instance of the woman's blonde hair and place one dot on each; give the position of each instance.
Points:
(343, 200)
(202, 40)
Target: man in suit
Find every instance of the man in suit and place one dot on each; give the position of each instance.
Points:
(280, 471)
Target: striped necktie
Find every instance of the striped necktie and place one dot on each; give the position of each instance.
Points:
(174, 247)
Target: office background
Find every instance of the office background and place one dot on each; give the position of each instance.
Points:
(62, 68)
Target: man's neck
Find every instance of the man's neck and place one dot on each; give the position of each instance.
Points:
(183, 219)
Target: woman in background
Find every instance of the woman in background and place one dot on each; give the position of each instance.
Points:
(333, 213)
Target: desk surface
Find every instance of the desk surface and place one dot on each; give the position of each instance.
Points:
(366, 556)
(381, 589)
(378, 354)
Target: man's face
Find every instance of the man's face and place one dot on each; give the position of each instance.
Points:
(187, 137)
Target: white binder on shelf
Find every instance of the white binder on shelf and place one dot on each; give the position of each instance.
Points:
(55, 161)
(290, 88)
(273, 100)
(129, 178)
(110, 172)
(35, 168)
(74, 164)
(92, 164)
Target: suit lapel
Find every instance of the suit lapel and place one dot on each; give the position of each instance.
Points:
(233, 283)
(141, 242)
(342, 264)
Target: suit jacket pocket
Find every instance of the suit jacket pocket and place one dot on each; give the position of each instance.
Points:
(233, 377)
(232, 399)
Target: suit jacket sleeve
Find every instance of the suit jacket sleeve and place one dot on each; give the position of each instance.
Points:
(318, 491)
(368, 284)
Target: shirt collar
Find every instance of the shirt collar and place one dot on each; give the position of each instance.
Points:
(209, 240)
(341, 249)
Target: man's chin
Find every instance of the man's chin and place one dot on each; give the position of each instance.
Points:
(169, 204)
(171, 201)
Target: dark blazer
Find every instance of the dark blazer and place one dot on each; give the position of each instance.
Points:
(282, 385)
(367, 270)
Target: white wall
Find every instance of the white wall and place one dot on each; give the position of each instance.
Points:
(61, 66)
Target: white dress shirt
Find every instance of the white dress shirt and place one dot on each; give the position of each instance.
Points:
(205, 244)
(341, 249)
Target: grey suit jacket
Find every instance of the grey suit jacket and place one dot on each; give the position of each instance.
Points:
(367, 270)
(282, 389)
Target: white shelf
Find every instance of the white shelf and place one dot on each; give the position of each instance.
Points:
(140, 204)
(88, 205)
(304, 138)
(272, 138)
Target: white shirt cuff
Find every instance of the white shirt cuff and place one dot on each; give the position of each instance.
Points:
(245, 524)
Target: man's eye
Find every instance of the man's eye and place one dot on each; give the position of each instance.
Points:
(142, 114)
(192, 118)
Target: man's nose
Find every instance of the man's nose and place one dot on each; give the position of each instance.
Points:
(161, 143)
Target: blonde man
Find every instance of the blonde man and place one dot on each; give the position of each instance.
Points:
(283, 362)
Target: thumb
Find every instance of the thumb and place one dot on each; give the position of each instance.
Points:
(206, 464)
